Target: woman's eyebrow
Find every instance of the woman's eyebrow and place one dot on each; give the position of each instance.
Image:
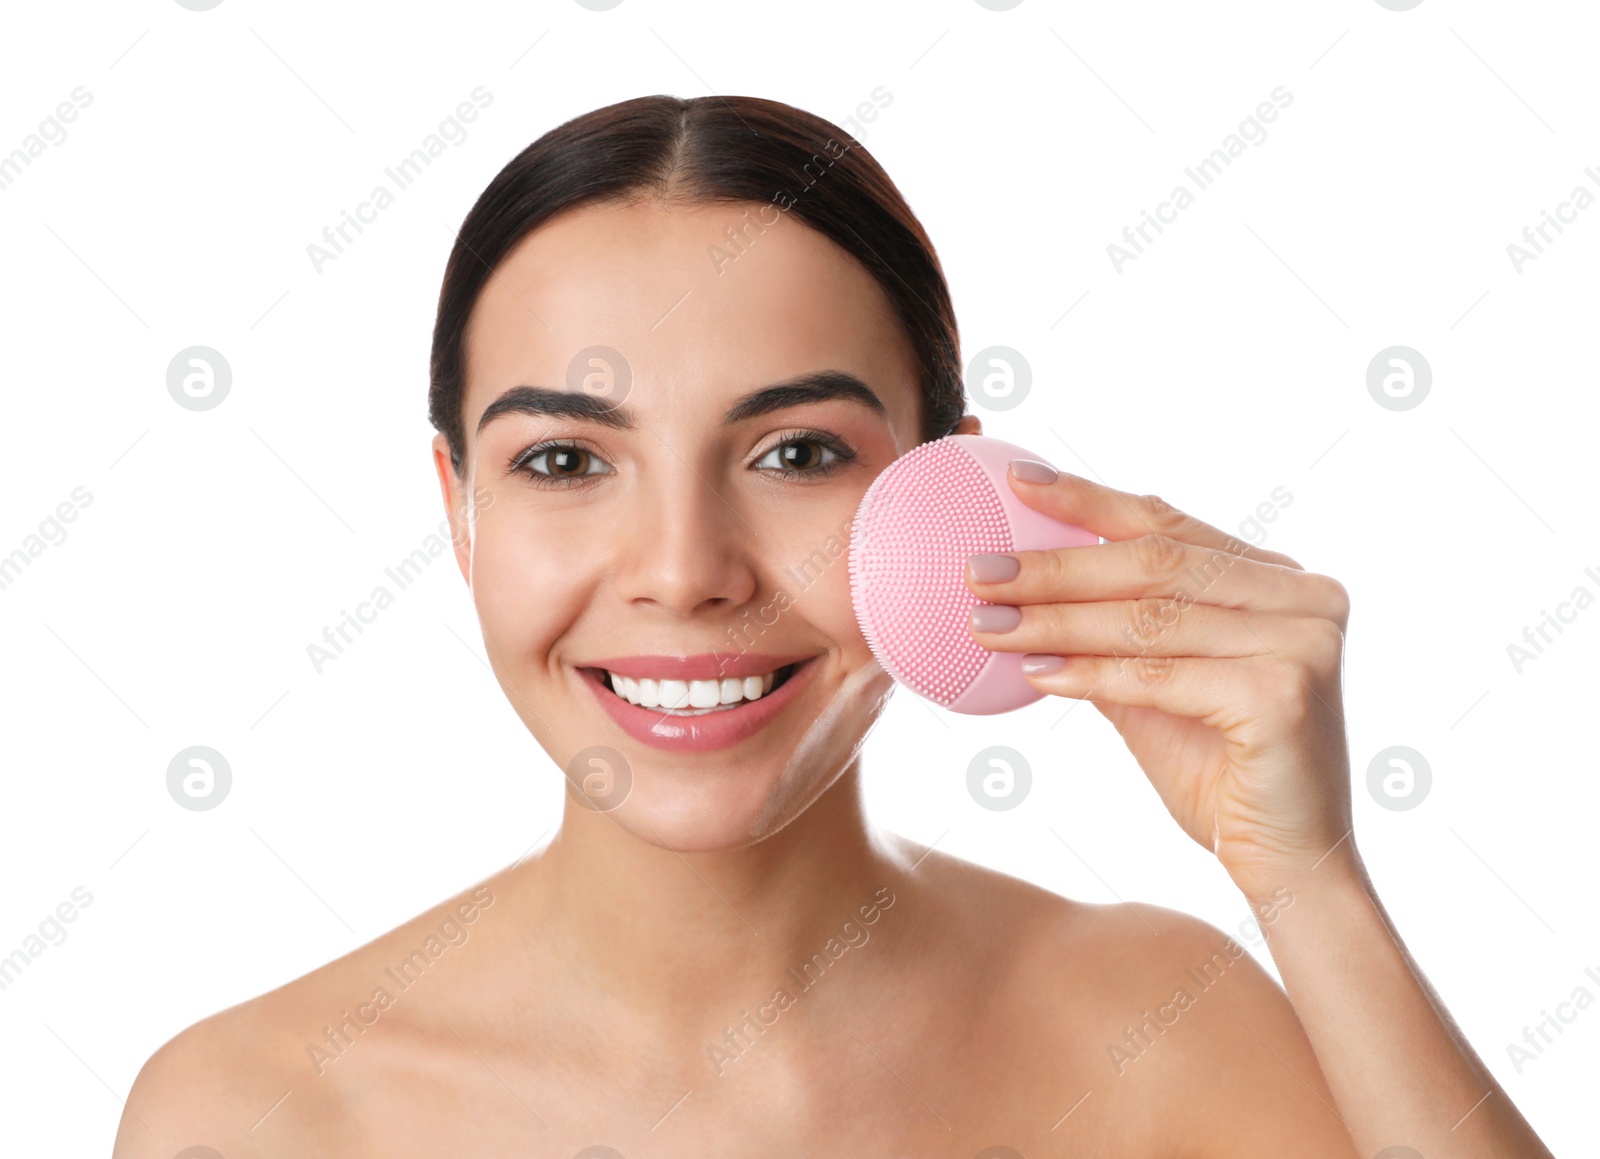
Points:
(817, 386)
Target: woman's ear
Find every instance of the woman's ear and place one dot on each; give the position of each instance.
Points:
(454, 504)
(969, 425)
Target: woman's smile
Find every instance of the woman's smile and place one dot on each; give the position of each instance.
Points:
(662, 702)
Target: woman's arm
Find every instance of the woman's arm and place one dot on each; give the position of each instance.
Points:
(1220, 666)
(1401, 1071)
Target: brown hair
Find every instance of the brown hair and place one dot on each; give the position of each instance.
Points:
(698, 150)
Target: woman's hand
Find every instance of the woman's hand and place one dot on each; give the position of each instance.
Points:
(1219, 665)
(1217, 662)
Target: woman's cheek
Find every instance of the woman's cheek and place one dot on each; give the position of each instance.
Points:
(524, 589)
(815, 576)
(825, 605)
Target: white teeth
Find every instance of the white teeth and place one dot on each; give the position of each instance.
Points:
(690, 694)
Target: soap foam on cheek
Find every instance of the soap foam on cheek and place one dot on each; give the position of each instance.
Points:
(923, 515)
(841, 726)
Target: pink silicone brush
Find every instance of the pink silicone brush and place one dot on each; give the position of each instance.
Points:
(923, 515)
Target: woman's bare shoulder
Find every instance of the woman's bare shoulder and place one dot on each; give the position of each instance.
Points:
(1141, 1008)
(217, 1084)
(1115, 943)
(262, 1077)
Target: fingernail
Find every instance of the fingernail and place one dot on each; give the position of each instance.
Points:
(995, 618)
(1034, 664)
(1033, 471)
(993, 569)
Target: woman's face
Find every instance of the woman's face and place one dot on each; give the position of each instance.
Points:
(687, 509)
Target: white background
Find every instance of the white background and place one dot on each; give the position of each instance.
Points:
(1228, 360)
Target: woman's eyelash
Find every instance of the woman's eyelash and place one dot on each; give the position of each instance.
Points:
(828, 442)
(521, 462)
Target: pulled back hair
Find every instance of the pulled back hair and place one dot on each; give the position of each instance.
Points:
(705, 150)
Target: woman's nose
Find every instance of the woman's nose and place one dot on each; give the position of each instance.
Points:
(687, 547)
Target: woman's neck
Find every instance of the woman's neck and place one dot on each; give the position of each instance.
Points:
(676, 942)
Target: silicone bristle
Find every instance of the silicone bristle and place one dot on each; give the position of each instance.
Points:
(915, 527)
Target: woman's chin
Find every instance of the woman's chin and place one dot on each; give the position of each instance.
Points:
(710, 818)
(731, 798)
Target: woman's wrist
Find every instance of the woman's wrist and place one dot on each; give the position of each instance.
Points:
(1337, 874)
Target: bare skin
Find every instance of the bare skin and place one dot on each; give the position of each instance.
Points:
(587, 994)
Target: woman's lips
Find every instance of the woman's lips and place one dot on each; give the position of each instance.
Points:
(708, 731)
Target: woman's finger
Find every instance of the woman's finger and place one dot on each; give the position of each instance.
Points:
(1122, 630)
(1226, 694)
(1118, 515)
(1153, 567)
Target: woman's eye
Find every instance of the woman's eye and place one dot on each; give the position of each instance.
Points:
(567, 464)
(806, 455)
(554, 464)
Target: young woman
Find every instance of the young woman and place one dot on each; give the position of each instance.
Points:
(676, 341)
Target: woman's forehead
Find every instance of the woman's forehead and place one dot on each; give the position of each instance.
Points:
(683, 303)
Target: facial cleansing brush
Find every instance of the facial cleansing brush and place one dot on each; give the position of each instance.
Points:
(919, 520)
